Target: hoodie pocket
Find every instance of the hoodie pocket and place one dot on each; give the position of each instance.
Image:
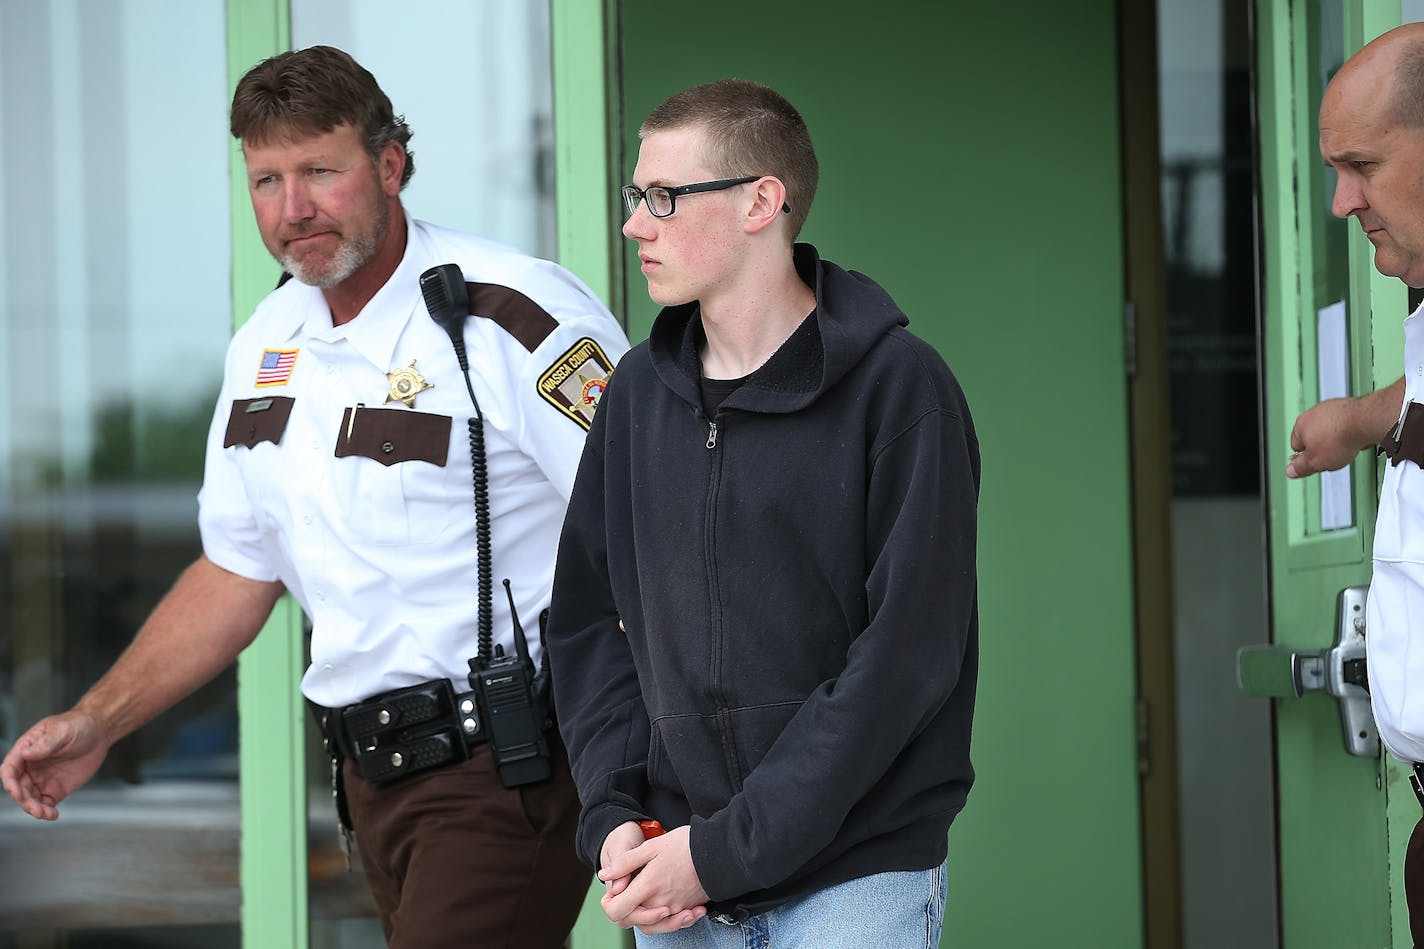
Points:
(660, 772)
(690, 755)
(755, 729)
(685, 758)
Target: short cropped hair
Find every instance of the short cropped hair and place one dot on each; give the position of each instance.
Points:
(749, 129)
(1408, 92)
(312, 91)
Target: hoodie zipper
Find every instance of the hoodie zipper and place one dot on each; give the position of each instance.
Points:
(718, 657)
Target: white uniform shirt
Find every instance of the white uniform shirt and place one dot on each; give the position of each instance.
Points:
(1395, 610)
(383, 557)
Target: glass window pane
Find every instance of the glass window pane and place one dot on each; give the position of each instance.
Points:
(114, 316)
(473, 80)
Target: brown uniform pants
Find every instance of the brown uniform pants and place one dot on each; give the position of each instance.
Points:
(455, 859)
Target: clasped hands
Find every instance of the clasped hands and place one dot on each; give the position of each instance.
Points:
(651, 884)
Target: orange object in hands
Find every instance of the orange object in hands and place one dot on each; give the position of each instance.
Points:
(650, 829)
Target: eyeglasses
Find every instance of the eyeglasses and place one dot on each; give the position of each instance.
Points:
(662, 201)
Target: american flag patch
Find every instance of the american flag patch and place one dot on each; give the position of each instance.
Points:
(276, 368)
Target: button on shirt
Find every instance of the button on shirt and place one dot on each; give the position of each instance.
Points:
(382, 557)
(1395, 609)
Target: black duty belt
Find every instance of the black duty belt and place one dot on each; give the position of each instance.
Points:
(1416, 781)
(405, 731)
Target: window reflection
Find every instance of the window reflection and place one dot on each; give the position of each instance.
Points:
(474, 80)
(114, 316)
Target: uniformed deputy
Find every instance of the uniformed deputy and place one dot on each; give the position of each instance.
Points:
(342, 466)
(1372, 136)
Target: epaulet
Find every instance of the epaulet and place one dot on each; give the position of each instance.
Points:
(513, 312)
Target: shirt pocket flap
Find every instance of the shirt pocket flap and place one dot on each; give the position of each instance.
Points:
(392, 436)
(258, 420)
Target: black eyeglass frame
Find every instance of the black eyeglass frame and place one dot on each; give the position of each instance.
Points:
(633, 195)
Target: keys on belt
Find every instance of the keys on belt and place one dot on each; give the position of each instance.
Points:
(1416, 781)
(405, 731)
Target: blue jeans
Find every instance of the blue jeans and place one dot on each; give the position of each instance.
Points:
(900, 910)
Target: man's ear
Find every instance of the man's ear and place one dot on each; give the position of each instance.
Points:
(391, 168)
(766, 208)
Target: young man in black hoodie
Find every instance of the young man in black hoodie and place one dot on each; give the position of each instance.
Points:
(765, 628)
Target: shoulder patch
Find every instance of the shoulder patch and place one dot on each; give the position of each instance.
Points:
(575, 382)
(514, 313)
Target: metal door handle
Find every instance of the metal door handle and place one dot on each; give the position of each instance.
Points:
(1283, 673)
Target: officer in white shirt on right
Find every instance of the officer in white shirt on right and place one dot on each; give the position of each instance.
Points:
(1372, 135)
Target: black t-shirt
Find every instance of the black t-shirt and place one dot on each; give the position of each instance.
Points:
(715, 392)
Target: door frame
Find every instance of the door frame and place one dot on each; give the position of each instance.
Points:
(270, 712)
(1322, 833)
(1149, 405)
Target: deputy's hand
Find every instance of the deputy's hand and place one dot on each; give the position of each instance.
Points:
(52, 760)
(664, 893)
(1326, 437)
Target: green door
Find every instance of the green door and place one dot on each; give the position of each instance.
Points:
(1331, 325)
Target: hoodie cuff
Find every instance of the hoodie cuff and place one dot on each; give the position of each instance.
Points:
(596, 824)
(721, 875)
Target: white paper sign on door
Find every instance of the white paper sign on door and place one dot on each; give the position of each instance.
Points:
(1332, 355)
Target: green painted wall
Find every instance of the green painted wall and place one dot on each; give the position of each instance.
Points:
(970, 164)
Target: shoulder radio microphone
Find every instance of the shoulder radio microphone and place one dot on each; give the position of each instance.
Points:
(448, 300)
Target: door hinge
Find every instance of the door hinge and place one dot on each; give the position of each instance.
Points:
(1129, 338)
(1144, 742)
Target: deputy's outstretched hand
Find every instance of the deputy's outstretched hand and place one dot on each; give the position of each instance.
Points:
(1328, 436)
(52, 760)
(1323, 438)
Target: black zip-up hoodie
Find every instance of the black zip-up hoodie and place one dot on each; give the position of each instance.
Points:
(796, 576)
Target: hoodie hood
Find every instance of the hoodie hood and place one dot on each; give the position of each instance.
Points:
(832, 340)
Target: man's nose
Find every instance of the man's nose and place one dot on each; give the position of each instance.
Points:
(296, 202)
(1349, 197)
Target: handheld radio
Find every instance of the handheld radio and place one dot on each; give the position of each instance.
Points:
(513, 708)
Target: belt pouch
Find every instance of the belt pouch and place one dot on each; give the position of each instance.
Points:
(404, 731)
